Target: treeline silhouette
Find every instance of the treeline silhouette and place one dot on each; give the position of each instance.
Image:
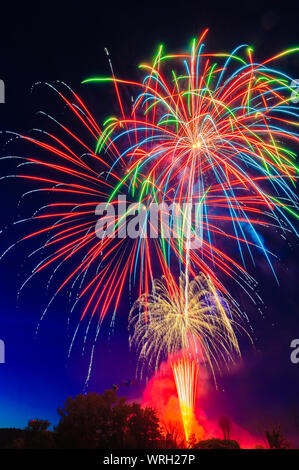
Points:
(107, 421)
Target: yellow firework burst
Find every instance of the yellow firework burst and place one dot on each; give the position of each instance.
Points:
(174, 318)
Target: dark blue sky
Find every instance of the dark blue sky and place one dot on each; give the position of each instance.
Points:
(44, 42)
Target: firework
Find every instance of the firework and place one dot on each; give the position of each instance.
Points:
(211, 130)
(201, 328)
(162, 326)
(185, 372)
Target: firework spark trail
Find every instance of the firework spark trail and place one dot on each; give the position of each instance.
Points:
(160, 326)
(213, 129)
(201, 327)
(185, 372)
(205, 124)
(194, 128)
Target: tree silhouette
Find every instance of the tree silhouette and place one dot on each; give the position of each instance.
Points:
(172, 436)
(225, 426)
(106, 421)
(275, 439)
(142, 427)
(37, 425)
(37, 436)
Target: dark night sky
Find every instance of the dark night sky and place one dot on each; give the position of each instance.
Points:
(48, 41)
